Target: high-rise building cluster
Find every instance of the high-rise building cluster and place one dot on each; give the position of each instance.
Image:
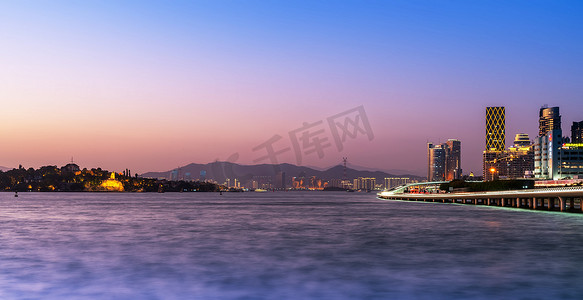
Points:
(550, 156)
(367, 184)
(557, 157)
(363, 183)
(391, 182)
(498, 162)
(444, 161)
(515, 162)
(309, 183)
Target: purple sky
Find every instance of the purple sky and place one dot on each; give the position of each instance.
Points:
(152, 85)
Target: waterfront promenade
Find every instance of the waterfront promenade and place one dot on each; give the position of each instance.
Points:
(565, 199)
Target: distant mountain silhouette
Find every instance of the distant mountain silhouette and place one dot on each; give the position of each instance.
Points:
(220, 171)
(4, 169)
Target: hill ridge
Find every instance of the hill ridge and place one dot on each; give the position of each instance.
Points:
(221, 170)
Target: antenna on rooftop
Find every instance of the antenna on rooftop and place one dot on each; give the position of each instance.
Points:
(344, 159)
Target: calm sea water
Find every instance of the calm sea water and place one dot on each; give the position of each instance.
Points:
(284, 245)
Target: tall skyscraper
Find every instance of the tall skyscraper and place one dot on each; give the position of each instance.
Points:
(453, 162)
(436, 162)
(549, 119)
(547, 144)
(444, 161)
(495, 139)
(495, 128)
(577, 132)
(554, 157)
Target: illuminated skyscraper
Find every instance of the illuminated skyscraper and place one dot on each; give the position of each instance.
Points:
(548, 150)
(444, 161)
(547, 145)
(453, 162)
(495, 128)
(495, 139)
(436, 162)
(554, 157)
(549, 119)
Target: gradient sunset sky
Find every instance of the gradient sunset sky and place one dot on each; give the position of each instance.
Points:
(151, 86)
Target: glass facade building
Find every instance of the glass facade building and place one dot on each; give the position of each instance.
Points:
(549, 119)
(436, 162)
(453, 161)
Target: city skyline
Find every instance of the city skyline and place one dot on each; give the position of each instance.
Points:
(154, 86)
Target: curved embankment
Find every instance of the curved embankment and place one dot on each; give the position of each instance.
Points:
(561, 199)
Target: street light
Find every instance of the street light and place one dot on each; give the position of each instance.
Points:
(493, 171)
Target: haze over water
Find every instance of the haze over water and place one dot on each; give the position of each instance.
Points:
(285, 245)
